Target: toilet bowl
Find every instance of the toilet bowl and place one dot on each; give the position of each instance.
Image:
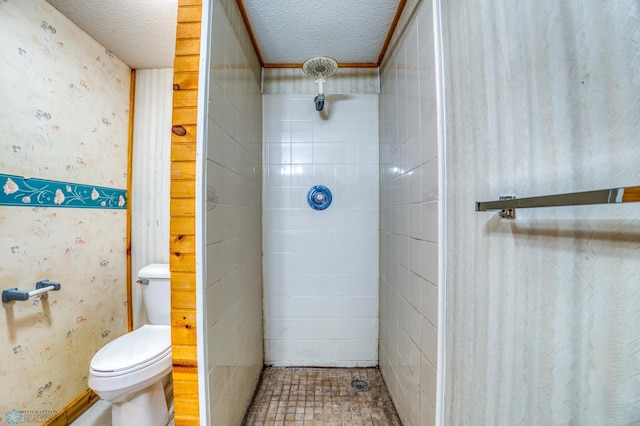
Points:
(128, 372)
(131, 371)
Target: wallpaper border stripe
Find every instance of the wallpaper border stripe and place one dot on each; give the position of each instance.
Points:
(34, 192)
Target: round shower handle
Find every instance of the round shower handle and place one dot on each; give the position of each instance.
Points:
(319, 197)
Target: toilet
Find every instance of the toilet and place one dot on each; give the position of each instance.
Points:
(133, 370)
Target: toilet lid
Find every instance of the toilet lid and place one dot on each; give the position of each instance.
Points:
(133, 350)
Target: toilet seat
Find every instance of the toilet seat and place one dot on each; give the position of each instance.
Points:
(133, 351)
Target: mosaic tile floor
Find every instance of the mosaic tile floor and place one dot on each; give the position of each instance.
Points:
(321, 397)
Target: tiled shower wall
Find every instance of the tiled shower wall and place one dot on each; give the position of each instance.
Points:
(233, 218)
(409, 217)
(321, 267)
(542, 311)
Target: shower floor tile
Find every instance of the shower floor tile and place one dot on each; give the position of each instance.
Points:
(302, 396)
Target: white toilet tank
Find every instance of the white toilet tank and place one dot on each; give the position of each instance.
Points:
(155, 282)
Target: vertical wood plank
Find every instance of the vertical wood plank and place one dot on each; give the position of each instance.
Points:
(182, 227)
(132, 99)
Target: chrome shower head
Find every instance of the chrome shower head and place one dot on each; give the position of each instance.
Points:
(320, 66)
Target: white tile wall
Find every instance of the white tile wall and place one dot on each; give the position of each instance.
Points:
(233, 226)
(409, 219)
(320, 267)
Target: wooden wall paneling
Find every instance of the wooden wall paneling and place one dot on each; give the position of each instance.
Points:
(183, 215)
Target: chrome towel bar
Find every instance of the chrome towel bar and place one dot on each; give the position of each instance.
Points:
(507, 203)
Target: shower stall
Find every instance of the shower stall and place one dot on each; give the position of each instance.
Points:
(285, 283)
(541, 306)
(320, 266)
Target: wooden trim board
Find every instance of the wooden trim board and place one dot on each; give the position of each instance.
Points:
(74, 409)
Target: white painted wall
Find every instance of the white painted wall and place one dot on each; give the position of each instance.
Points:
(320, 267)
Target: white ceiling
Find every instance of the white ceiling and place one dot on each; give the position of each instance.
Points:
(291, 31)
(142, 32)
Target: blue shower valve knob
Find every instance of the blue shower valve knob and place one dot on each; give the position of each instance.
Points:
(319, 197)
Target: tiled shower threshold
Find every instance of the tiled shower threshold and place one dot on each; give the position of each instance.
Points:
(303, 396)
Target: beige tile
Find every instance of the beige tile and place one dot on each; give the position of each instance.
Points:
(321, 396)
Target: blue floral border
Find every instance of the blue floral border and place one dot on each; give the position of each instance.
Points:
(18, 191)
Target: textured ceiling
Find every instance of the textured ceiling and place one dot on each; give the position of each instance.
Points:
(286, 32)
(291, 31)
(141, 33)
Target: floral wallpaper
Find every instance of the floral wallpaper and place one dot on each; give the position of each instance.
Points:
(64, 120)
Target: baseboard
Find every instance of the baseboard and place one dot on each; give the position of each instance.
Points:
(74, 409)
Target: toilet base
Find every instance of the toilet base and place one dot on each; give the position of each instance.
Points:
(147, 407)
